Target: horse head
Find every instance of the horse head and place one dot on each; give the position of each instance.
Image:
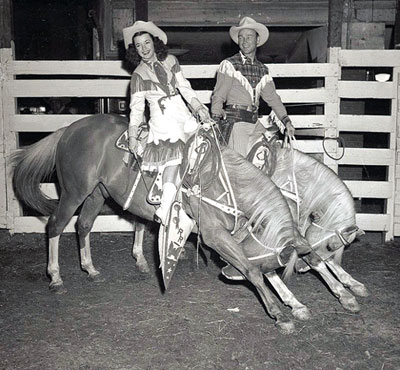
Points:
(326, 242)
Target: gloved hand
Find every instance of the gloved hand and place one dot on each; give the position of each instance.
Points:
(203, 113)
(219, 115)
(133, 144)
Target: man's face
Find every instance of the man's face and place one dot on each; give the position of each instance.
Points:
(145, 47)
(247, 41)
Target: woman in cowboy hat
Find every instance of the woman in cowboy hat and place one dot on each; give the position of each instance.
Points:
(158, 79)
(241, 80)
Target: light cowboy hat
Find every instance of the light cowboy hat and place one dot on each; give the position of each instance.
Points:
(142, 26)
(250, 23)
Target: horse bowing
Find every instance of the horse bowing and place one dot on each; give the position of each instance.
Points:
(90, 168)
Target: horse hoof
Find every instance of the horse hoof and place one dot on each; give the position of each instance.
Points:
(350, 304)
(143, 268)
(57, 288)
(359, 291)
(285, 327)
(301, 313)
(96, 278)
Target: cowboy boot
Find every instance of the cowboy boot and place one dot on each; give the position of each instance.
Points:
(167, 198)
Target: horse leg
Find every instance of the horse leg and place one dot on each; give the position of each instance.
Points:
(346, 299)
(90, 210)
(137, 249)
(347, 280)
(299, 311)
(227, 248)
(55, 226)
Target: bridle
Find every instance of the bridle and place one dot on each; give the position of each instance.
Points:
(337, 232)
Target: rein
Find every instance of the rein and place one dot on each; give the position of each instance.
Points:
(217, 168)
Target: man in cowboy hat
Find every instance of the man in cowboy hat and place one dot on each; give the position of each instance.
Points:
(241, 80)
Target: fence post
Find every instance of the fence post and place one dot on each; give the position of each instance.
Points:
(332, 111)
(3, 198)
(396, 143)
(8, 104)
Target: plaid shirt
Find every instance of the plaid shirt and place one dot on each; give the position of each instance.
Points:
(237, 81)
(252, 71)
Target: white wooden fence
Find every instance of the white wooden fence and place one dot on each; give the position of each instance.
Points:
(109, 79)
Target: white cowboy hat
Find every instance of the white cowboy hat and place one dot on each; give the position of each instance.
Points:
(142, 26)
(250, 23)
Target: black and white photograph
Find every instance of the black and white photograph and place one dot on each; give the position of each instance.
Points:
(200, 185)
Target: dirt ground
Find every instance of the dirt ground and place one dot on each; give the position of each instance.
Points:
(128, 322)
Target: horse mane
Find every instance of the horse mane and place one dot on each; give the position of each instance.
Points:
(260, 199)
(320, 189)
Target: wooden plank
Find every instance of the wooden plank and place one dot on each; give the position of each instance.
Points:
(42, 122)
(367, 157)
(366, 90)
(369, 58)
(115, 69)
(381, 4)
(3, 192)
(304, 70)
(396, 230)
(335, 23)
(10, 138)
(366, 35)
(366, 123)
(228, 13)
(30, 224)
(50, 190)
(67, 67)
(71, 88)
(309, 146)
(6, 28)
(53, 122)
(373, 222)
(370, 189)
(318, 95)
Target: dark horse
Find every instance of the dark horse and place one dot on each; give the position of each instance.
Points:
(90, 168)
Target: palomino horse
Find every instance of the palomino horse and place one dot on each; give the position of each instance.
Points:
(324, 213)
(90, 168)
(321, 193)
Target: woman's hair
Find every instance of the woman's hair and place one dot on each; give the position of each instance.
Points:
(160, 49)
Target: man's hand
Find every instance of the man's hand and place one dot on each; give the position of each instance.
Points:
(289, 129)
(219, 115)
(203, 114)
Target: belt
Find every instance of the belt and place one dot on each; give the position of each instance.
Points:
(248, 108)
(238, 115)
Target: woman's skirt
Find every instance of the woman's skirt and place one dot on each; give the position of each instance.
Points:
(164, 154)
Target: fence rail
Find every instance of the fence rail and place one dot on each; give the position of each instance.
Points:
(109, 79)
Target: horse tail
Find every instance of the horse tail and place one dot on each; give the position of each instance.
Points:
(33, 165)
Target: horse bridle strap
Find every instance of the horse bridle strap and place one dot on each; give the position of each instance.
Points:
(223, 207)
(337, 232)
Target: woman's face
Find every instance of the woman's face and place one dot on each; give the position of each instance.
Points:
(145, 47)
